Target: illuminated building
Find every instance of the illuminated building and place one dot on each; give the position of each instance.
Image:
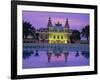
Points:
(58, 34)
(55, 34)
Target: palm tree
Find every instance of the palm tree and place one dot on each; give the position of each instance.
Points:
(85, 32)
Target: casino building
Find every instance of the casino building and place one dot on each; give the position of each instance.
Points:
(55, 34)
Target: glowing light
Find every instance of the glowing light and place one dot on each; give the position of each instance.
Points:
(58, 38)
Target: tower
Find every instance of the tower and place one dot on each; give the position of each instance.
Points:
(66, 27)
(49, 25)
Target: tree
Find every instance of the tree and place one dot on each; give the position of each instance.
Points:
(75, 36)
(28, 29)
(85, 32)
(26, 26)
(33, 32)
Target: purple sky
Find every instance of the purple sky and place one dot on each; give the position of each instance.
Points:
(40, 19)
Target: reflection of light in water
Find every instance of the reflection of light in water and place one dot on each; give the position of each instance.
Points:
(60, 58)
(42, 60)
(85, 54)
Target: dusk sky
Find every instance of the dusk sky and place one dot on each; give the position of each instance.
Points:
(40, 19)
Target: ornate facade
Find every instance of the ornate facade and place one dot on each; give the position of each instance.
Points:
(55, 34)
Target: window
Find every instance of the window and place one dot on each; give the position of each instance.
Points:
(58, 37)
(54, 36)
(61, 37)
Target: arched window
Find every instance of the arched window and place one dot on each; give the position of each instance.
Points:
(58, 37)
(61, 37)
(54, 36)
